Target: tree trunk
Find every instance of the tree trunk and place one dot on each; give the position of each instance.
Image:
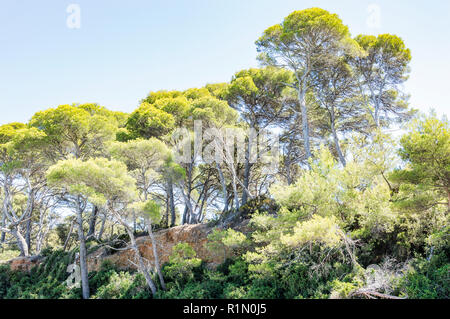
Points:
(288, 167)
(41, 232)
(190, 215)
(155, 255)
(21, 242)
(336, 144)
(189, 210)
(224, 187)
(68, 236)
(184, 217)
(92, 222)
(102, 228)
(140, 259)
(3, 235)
(377, 115)
(16, 231)
(448, 199)
(247, 169)
(305, 125)
(165, 218)
(28, 233)
(29, 213)
(236, 196)
(83, 254)
(171, 204)
(4, 209)
(142, 266)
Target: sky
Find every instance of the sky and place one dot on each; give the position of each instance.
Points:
(114, 53)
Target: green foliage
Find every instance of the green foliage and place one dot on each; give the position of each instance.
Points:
(311, 237)
(323, 230)
(232, 280)
(182, 263)
(257, 94)
(148, 121)
(45, 281)
(425, 181)
(428, 279)
(163, 111)
(122, 285)
(9, 254)
(78, 130)
(226, 242)
(20, 147)
(96, 179)
(299, 42)
(354, 194)
(152, 210)
(260, 204)
(382, 67)
(140, 154)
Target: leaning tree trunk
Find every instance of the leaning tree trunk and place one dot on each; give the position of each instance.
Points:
(16, 229)
(66, 243)
(83, 255)
(42, 231)
(140, 259)
(224, 187)
(189, 210)
(141, 265)
(102, 228)
(92, 223)
(21, 241)
(155, 255)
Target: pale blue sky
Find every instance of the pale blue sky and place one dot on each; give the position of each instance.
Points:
(124, 49)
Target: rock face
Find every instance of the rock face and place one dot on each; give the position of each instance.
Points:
(194, 235)
(24, 263)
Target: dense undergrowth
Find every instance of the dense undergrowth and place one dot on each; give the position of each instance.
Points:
(230, 280)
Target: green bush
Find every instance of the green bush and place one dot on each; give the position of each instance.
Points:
(427, 279)
(182, 264)
(45, 281)
(122, 285)
(9, 254)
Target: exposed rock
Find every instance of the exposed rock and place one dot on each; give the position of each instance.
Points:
(24, 263)
(194, 235)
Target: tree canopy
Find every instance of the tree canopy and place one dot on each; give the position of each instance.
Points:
(287, 177)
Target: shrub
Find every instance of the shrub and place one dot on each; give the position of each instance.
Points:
(427, 279)
(182, 263)
(122, 285)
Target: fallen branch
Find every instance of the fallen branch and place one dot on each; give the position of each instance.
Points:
(372, 294)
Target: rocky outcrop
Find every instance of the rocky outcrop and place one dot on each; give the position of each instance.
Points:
(194, 235)
(24, 263)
